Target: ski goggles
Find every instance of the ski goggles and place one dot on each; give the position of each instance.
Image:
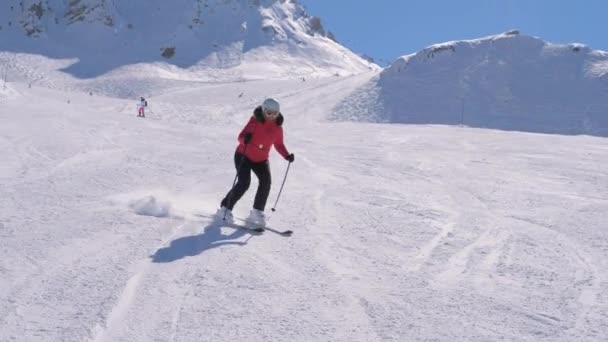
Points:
(271, 114)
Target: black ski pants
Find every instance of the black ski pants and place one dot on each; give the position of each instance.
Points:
(244, 166)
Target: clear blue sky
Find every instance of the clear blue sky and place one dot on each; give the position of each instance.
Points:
(387, 29)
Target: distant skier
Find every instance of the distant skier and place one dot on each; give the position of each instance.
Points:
(263, 130)
(141, 107)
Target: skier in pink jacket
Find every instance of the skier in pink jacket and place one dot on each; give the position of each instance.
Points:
(263, 131)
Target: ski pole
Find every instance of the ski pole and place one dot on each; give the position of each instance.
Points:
(279, 195)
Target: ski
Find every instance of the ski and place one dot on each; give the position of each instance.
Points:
(255, 230)
(246, 226)
(260, 230)
(276, 231)
(280, 232)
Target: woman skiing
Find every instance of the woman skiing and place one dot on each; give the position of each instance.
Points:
(263, 131)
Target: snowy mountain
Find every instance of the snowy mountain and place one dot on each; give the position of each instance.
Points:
(401, 232)
(100, 36)
(507, 81)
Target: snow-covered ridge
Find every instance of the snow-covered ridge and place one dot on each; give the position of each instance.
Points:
(504, 45)
(105, 35)
(36, 17)
(506, 81)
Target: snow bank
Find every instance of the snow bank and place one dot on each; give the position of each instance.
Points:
(6, 91)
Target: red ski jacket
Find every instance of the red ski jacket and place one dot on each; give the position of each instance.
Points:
(264, 134)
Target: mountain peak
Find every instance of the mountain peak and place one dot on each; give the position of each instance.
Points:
(38, 18)
(185, 33)
(504, 47)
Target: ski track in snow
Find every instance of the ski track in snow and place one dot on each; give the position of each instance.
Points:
(121, 308)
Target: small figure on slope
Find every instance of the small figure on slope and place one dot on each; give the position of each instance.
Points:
(141, 107)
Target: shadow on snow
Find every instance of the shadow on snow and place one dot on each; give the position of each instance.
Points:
(193, 245)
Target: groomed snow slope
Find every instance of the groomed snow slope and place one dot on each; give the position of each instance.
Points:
(402, 232)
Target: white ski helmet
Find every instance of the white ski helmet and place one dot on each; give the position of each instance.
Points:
(271, 105)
